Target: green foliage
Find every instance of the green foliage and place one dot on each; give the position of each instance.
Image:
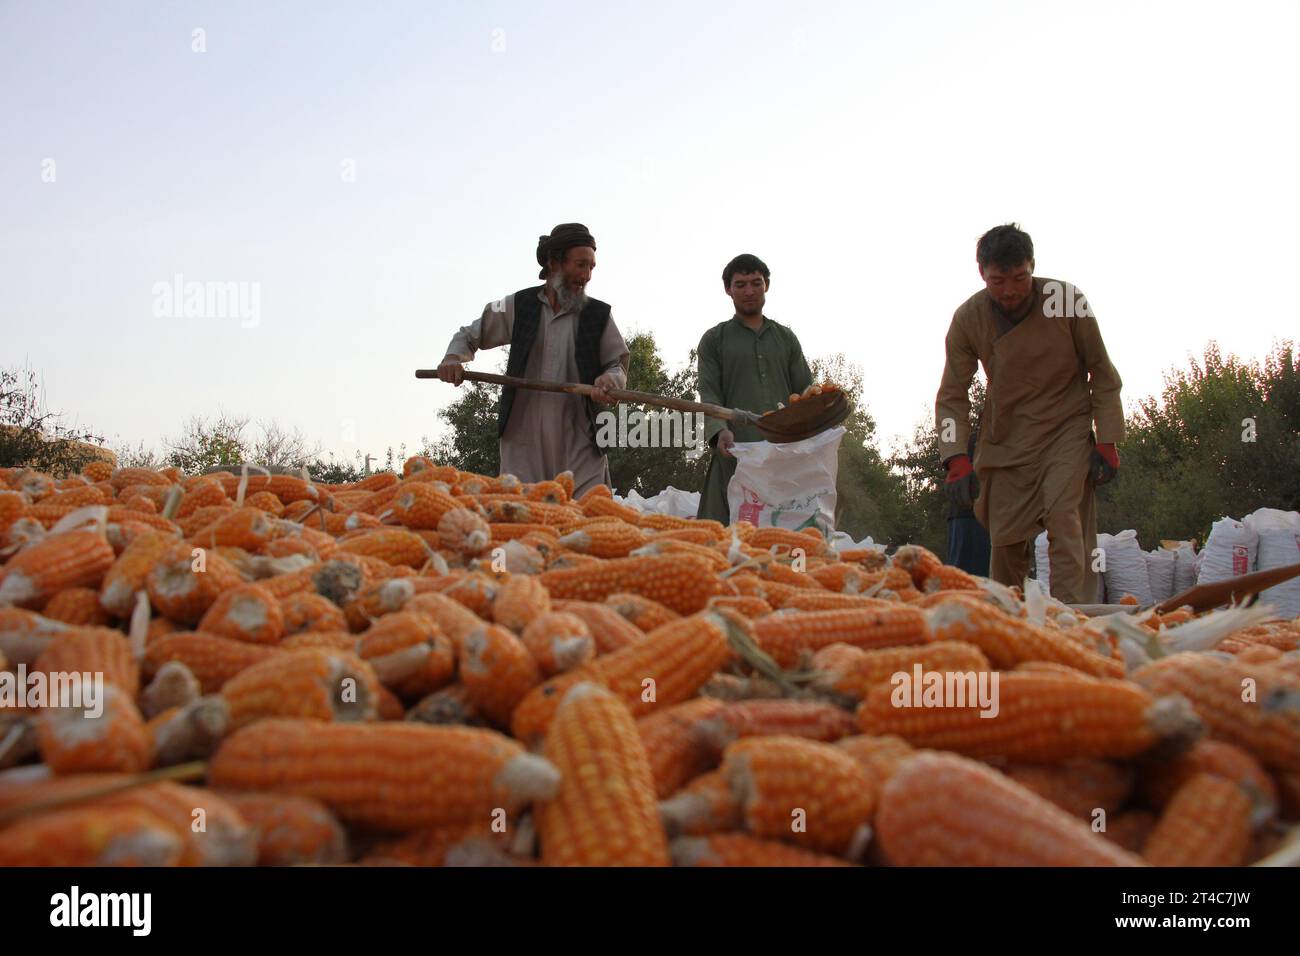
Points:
(1223, 438)
(33, 437)
(651, 470)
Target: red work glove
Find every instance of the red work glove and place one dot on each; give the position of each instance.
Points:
(1105, 462)
(959, 467)
(961, 484)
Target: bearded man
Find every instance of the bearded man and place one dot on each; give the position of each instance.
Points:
(556, 333)
(1037, 460)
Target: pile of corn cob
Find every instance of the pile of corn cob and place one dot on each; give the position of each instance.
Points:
(441, 668)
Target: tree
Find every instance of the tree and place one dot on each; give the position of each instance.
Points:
(203, 444)
(1222, 439)
(917, 463)
(31, 436)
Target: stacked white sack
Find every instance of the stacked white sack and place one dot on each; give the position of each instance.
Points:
(1229, 553)
(1279, 545)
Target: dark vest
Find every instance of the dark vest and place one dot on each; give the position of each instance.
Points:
(528, 315)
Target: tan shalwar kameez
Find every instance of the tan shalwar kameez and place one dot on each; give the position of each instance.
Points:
(1049, 379)
(547, 433)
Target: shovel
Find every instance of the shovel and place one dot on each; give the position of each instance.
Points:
(807, 417)
(1202, 597)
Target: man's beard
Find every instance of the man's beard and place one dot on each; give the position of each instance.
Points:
(566, 297)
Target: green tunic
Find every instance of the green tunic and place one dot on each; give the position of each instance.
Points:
(742, 368)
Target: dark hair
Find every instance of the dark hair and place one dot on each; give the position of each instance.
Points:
(745, 264)
(1005, 247)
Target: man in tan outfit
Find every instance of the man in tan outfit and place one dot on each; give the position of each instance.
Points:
(1037, 461)
(556, 334)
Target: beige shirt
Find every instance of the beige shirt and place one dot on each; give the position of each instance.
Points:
(547, 432)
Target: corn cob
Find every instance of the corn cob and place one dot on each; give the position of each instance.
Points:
(716, 558)
(705, 805)
(409, 653)
(605, 539)
(74, 740)
(68, 560)
(396, 546)
(1207, 823)
(204, 495)
(780, 573)
(288, 488)
(247, 528)
(204, 519)
(683, 583)
(946, 810)
(497, 671)
(501, 532)
(211, 830)
(420, 505)
(812, 543)
(24, 635)
(191, 731)
(338, 579)
(343, 640)
(465, 532)
(430, 846)
(809, 719)
(172, 686)
(451, 705)
(12, 507)
(291, 830)
(800, 791)
(98, 471)
(91, 836)
(392, 776)
(375, 600)
(475, 591)
(852, 671)
(558, 642)
(99, 651)
(265, 501)
(1008, 641)
(245, 613)
(604, 813)
(1160, 781)
(520, 601)
(1267, 725)
(79, 607)
(80, 497)
(738, 849)
(675, 754)
(609, 508)
(312, 682)
(880, 757)
(609, 629)
(747, 606)
(642, 612)
(311, 612)
(123, 477)
(212, 659)
(785, 635)
(183, 585)
(1034, 717)
(667, 666)
(22, 533)
(1078, 786)
(291, 545)
(453, 618)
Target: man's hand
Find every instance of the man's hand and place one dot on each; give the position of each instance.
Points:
(605, 381)
(451, 371)
(962, 485)
(725, 440)
(1105, 463)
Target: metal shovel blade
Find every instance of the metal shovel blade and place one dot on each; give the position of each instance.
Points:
(805, 418)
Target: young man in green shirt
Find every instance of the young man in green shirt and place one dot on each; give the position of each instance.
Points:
(747, 362)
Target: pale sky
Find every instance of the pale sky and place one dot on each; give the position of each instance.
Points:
(377, 172)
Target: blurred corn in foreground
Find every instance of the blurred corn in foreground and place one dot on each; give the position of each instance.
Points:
(444, 668)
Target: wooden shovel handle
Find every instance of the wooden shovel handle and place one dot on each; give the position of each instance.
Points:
(574, 388)
(1205, 596)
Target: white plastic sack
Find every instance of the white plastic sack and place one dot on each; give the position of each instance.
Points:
(1279, 545)
(1160, 572)
(1126, 568)
(843, 541)
(789, 485)
(670, 501)
(1185, 565)
(1229, 553)
(1042, 564)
